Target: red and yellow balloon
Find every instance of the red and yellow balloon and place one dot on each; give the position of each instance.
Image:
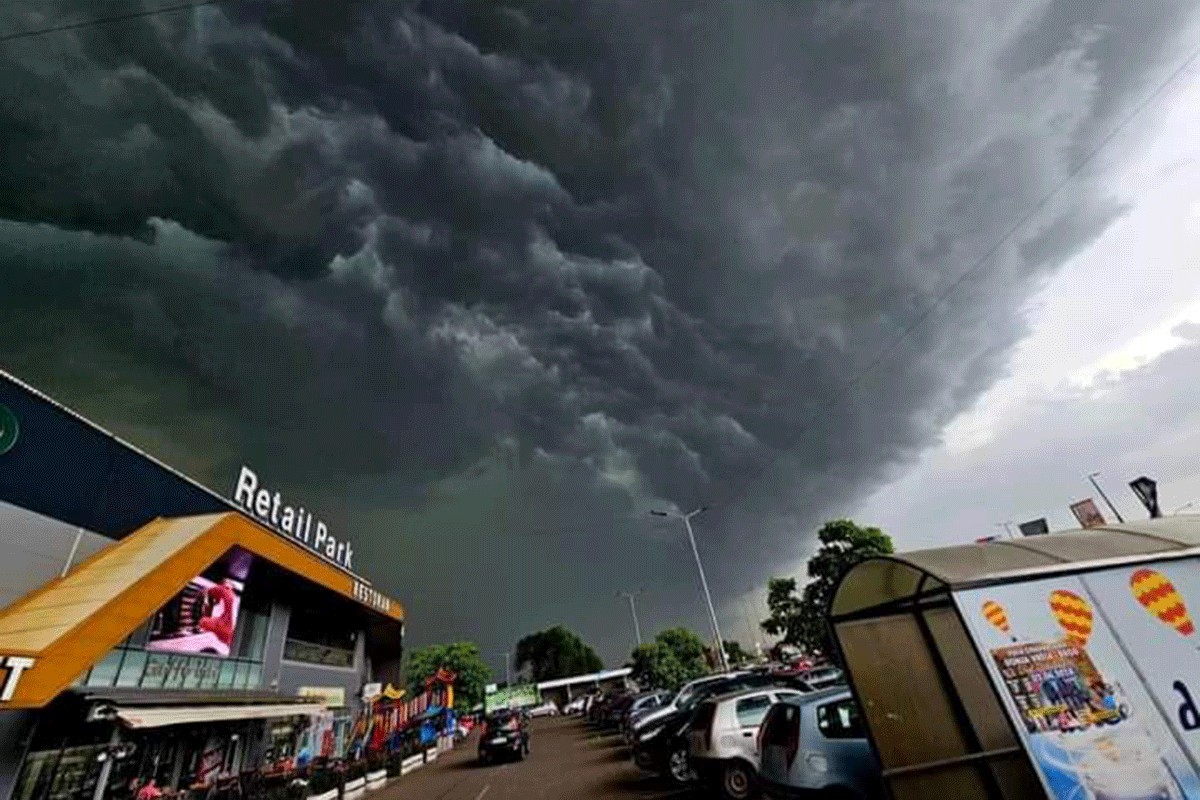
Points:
(1074, 615)
(1158, 595)
(995, 614)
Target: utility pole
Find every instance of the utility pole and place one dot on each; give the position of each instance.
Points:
(712, 612)
(1007, 529)
(1092, 477)
(631, 596)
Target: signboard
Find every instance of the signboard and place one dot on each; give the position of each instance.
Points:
(1088, 515)
(331, 696)
(371, 691)
(268, 507)
(520, 696)
(1036, 527)
(1146, 490)
(14, 669)
(1099, 673)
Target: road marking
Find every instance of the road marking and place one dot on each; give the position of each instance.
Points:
(483, 792)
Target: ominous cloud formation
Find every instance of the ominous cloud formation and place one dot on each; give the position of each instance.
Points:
(487, 280)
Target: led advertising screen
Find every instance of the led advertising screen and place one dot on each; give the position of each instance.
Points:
(203, 617)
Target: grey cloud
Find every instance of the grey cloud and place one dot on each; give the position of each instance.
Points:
(474, 270)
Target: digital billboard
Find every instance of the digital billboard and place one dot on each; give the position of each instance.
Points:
(203, 617)
(1097, 672)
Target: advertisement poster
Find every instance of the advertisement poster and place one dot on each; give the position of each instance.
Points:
(520, 696)
(203, 617)
(1088, 719)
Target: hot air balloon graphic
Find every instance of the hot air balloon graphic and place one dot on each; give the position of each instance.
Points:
(998, 617)
(1074, 615)
(1158, 595)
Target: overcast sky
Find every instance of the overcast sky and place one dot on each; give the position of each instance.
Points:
(485, 283)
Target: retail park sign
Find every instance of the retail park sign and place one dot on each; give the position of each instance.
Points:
(15, 666)
(297, 521)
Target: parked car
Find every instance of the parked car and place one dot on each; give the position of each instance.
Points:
(547, 709)
(641, 704)
(681, 698)
(824, 677)
(662, 745)
(576, 706)
(722, 739)
(817, 742)
(505, 735)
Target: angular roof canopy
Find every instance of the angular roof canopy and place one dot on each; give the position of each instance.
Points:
(880, 581)
(72, 622)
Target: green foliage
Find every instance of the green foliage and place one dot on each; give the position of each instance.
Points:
(736, 655)
(556, 653)
(801, 619)
(461, 658)
(675, 657)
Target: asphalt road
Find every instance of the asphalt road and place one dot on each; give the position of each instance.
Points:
(567, 761)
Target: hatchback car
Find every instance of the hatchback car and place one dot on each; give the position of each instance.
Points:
(505, 735)
(817, 742)
(722, 742)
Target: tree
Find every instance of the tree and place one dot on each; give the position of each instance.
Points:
(801, 619)
(735, 653)
(675, 657)
(556, 653)
(461, 658)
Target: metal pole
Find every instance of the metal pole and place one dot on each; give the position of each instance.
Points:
(71, 556)
(637, 629)
(1116, 513)
(712, 612)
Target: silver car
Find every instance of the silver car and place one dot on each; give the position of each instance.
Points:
(722, 741)
(817, 742)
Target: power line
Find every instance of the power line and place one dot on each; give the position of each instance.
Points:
(987, 256)
(95, 21)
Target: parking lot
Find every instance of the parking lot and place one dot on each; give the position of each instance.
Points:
(568, 761)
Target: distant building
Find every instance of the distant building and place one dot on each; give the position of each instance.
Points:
(563, 690)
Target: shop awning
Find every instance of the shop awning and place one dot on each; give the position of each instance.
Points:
(162, 716)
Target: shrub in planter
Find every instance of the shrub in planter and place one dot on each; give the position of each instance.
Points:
(394, 763)
(356, 770)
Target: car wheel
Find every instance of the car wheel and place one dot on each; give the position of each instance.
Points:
(737, 781)
(678, 768)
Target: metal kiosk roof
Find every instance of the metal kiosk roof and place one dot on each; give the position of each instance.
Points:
(934, 718)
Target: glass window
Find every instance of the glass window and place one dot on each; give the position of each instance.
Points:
(132, 668)
(320, 636)
(104, 673)
(228, 674)
(155, 674)
(176, 671)
(750, 711)
(255, 676)
(243, 675)
(252, 634)
(840, 720)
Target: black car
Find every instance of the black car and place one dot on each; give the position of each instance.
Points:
(504, 735)
(662, 747)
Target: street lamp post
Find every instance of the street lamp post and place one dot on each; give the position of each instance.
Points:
(637, 629)
(1092, 477)
(712, 612)
(1184, 507)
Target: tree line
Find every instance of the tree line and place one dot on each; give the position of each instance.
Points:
(797, 617)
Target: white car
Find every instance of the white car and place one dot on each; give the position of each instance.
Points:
(576, 706)
(544, 710)
(722, 744)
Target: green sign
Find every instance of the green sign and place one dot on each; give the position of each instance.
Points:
(9, 429)
(521, 696)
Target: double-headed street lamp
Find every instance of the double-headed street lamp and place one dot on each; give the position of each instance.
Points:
(712, 613)
(631, 596)
(1092, 477)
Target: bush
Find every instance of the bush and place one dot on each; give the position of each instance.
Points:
(356, 770)
(321, 780)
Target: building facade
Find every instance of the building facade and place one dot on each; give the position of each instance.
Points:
(150, 628)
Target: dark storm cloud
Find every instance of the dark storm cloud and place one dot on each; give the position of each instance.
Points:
(508, 273)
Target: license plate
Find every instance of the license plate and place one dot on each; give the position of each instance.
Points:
(500, 740)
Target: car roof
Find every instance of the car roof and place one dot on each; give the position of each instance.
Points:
(828, 693)
(755, 690)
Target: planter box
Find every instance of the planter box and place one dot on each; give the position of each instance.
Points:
(411, 763)
(431, 754)
(354, 789)
(329, 795)
(376, 779)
